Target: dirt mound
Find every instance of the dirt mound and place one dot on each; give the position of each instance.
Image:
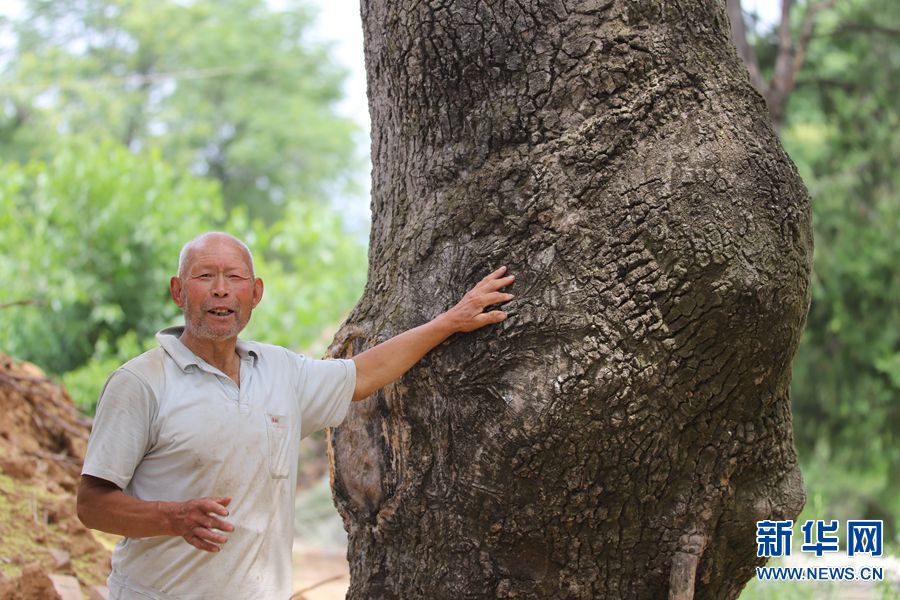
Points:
(42, 444)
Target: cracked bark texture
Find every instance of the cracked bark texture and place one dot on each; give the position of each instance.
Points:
(621, 433)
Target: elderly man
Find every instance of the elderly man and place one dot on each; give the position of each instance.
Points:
(194, 448)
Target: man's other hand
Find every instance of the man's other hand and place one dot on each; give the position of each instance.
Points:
(196, 522)
(469, 315)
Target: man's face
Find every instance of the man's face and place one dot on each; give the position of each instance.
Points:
(217, 290)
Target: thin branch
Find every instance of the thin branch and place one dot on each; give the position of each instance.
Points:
(806, 31)
(11, 379)
(64, 458)
(789, 59)
(299, 593)
(745, 50)
(847, 86)
(867, 28)
(79, 433)
(22, 303)
(779, 87)
(139, 79)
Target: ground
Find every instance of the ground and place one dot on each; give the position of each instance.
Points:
(42, 442)
(320, 574)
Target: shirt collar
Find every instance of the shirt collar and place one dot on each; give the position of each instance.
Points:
(182, 355)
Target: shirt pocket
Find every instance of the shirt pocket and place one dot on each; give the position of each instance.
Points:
(278, 430)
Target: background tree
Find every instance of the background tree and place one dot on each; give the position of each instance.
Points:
(620, 435)
(840, 125)
(234, 91)
(788, 52)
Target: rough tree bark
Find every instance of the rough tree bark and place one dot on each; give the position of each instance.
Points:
(622, 432)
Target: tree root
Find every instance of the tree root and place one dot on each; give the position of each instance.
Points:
(684, 566)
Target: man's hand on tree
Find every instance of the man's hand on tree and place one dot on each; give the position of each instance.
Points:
(468, 314)
(194, 520)
(384, 363)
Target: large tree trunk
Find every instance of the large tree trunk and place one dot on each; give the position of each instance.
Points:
(622, 432)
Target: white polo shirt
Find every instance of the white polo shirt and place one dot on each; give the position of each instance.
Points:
(169, 426)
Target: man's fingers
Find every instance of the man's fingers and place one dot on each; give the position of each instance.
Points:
(496, 284)
(214, 523)
(198, 542)
(495, 298)
(495, 273)
(223, 500)
(214, 505)
(490, 318)
(492, 276)
(209, 535)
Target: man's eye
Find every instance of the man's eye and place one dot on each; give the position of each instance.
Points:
(204, 275)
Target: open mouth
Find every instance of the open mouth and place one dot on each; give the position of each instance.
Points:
(221, 312)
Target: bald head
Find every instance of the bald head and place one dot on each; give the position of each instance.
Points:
(211, 237)
(216, 288)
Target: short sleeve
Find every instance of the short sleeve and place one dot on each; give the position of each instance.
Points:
(326, 389)
(120, 435)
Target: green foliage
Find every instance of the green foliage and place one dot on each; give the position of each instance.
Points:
(313, 270)
(85, 383)
(90, 236)
(234, 91)
(129, 127)
(93, 236)
(843, 130)
(847, 372)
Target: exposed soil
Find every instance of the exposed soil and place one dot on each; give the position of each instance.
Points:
(42, 444)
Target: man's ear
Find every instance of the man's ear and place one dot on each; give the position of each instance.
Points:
(257, 291)
(175, 291)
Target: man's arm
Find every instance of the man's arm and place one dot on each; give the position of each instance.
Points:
(102, 505)
(386, 362)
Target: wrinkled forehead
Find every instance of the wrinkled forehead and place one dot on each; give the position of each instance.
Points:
(219, 252)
